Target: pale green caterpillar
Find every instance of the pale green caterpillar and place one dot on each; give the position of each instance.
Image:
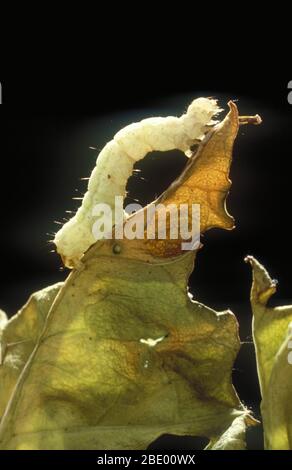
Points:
(115, 163)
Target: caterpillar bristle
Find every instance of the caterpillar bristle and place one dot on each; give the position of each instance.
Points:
(78, 191)
(137, 175)
(133, 199)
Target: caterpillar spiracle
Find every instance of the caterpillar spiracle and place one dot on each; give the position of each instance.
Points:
(114, 166)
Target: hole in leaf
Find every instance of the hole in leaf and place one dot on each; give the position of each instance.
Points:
(153, 175)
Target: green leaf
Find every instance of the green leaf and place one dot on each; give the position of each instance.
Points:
(272, 337)
(18, 337)
(96, 380)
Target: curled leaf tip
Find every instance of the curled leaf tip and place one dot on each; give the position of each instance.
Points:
(263, 285)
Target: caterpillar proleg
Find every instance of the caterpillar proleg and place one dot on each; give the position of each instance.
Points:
(115, 163)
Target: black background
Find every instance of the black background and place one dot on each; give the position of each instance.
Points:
(46, 129)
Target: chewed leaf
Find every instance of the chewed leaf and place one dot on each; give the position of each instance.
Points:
(18, 337)
(124, 355)
(205, 182)
(273, 338)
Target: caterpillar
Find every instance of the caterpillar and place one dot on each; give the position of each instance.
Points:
(114, 166)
